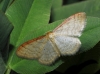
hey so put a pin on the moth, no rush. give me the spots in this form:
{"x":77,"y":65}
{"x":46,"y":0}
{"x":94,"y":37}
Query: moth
{"x":62,"y":41}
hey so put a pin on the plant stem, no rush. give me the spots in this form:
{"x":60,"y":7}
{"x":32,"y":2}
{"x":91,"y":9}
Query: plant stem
{"x":8,"y":71}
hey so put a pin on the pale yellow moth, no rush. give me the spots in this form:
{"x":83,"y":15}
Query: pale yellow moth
{"x":63,"y":40}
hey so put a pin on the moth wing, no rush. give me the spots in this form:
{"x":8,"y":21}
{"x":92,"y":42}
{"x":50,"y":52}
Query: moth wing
{"x":67,"y":45}
{"x":49,"y":54}
{"x":72,"y":26}
{"x":32,"y":49}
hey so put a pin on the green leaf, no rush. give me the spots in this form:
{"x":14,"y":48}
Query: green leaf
{"x":17,"y":14}
{"x":30,"y":17}
{"x":90,"y":36}
{"x":57,"y":4}
{"x":1,"y":4}
{"x":40,"y":17}
{"x":4,"y":4}
{"x":91,"y":8}
{"x":2,"y":65}
{"x":5,"y":30}
{"x":32,"y":20}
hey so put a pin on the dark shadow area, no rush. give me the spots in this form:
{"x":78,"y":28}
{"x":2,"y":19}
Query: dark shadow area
{"x":98,"y":72}
{"x":75,"y":69}
{"x":70,"y":1}
{"x":13,"y":72}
